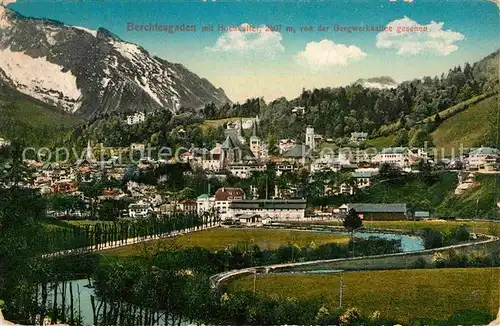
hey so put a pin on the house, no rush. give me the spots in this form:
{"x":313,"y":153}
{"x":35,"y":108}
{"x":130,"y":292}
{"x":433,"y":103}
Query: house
{"x":397,"y":156}
{"x":188,"y":206}
{"x":421,"y":214}
{"x":212,"y":160}
{"x":223,"y":197}
{"x":168,"y":208}
{"x":247,"y":124}
{"x":285,"y":145}
{"x":244,"y":171}
{"x":64,"y":187}
{"x":139,"y":209}
{"x":136,"y":118}
{"x":299,"y":110}
{"x":299,"y":153}
{"x":276,"y":209}
{"x":370,"y":212}
{"x":250,"y":219}
{"x":362,"y":178}
{"x":483,"y":156}
{"x":358,"y":137}
{"x":284,"y":167}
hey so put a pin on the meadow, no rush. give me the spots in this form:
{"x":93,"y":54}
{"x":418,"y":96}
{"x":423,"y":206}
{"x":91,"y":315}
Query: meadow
{"x":402,"y":295}
{"x":220,"y":238}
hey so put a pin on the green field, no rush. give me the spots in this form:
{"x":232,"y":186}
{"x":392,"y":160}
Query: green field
{"x":221,"y":238}
{"x":467,"y":128}
{"x":400,"y":294}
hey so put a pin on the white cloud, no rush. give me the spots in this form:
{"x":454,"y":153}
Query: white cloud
{"x":410,"y":38}
{"x":246,"y":39}
{"x":325,"y":54}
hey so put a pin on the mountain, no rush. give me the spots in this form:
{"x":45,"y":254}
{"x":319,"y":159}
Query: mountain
{"x":377,"y":82}
{"x":90,"y":73}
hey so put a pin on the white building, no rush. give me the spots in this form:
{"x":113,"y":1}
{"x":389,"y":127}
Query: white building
{"x":275,"y":209}
{"x":140,"y":209}
{"x":136,"y":118}
{"x":299,"y":110}
{"x":204,"y":203}
{"x":223,"y":197}
{"x":244,"y":171}
{"x":358,"y":137}
{"x":363,"y":178}
{"x":483,"y":156}
{"x":397,"y":156}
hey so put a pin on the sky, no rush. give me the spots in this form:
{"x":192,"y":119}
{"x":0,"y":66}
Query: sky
{"x":409,"y":39}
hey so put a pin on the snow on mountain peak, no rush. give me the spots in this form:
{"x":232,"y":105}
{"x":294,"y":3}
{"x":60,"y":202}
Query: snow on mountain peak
{"x":90,"y":76}
{"x":90,"y":31}
{"x":41,"y":79}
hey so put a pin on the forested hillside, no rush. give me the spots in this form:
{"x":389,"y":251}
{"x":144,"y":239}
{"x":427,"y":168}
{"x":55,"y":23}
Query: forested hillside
{"x":335,"y":112}
{"x":38,"y":123}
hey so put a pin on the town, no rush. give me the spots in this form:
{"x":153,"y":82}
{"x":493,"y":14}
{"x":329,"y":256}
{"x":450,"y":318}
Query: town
{"x":93,"y":189}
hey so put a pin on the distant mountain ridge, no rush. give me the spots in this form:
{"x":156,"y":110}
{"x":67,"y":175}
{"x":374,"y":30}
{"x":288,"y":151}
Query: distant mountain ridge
{"x":90,"y":73}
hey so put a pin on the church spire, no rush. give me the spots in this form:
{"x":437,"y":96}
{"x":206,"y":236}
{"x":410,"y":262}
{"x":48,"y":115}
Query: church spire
{"x":89,"y":155}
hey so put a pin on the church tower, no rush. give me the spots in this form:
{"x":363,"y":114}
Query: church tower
{"x":310,"y":137}
{"x":255,"y":142}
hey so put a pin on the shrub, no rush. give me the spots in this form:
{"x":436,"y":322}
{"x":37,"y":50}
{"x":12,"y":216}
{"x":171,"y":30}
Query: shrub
{"x":470,"y":317}
{"x":460,"y":234}
{"x":432,"y":238}
{"x":351,"y":316}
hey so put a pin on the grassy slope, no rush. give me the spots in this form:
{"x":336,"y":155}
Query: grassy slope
{"x":438,"y":195}
{"x":220,"y":238}
{"x":400,"y":294}
{"x":450,"y":134}
{"x":38,"y":123}
{"x":466,"y":204}
{"x":416,"y":191}
{"x":467,"y":128}
{"x":218,"y":122}
{"x":381,"y":142}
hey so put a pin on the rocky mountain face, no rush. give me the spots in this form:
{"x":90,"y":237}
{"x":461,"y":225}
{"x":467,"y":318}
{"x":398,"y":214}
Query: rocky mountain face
{"x":91,"y":73}
{"x":377,"y":82}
